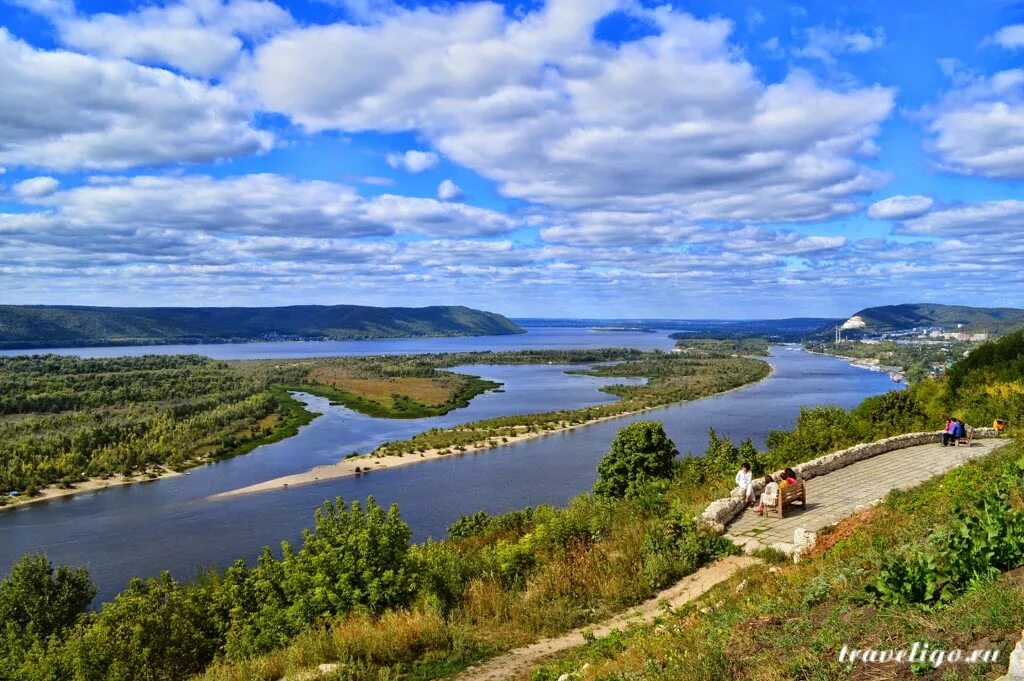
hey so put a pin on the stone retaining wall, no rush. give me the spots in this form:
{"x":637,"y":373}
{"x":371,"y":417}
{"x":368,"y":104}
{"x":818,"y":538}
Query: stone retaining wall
{"x":720,"y":512}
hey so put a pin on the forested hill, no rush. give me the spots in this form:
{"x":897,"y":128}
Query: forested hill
{"x":892,"y":317}
{"x":28,"y":326}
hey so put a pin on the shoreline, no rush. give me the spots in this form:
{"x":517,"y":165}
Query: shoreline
{"x":366,"y":464}
{"x":86,"y":486}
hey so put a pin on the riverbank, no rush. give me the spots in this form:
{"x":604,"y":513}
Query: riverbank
{"x":370,"y":463}
{"x":89,"y":485}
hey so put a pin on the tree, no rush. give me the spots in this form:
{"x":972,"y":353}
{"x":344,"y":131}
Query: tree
{"x":155,"y":630}
{"x":40,"y":601}
{"x":640,"y":452}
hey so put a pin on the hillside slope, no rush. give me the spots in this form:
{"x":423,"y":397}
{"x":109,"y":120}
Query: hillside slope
{"x":27,"y":326}
{"x":906,"y":316}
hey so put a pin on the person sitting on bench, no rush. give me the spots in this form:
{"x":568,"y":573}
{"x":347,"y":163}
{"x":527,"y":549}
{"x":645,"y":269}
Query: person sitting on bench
{"x":948,"y":435}
{"x":770,"y":495}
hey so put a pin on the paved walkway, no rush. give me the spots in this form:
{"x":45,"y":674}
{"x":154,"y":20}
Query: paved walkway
{"x":840,"y":493}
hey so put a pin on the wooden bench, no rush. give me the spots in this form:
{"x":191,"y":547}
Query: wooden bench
{"x":787,"y":495}
{"x":965,"y":441}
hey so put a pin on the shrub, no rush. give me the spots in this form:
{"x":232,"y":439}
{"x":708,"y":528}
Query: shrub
{"x":978,"y":547}
{"x":677,"y":546}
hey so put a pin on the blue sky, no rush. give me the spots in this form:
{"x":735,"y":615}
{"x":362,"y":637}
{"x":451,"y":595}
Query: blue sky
{"x":593,"y":158}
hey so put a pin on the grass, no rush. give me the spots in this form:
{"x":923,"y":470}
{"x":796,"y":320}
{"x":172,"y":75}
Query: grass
{"x":398,"y":397}
{"x":429,"y":390}
{"x":791,"y":622}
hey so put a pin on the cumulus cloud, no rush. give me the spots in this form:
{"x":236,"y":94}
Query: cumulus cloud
{"x":35,"y":187}
{"x":449,"y":191}
{"x":202,"y":37}
{"x":1009,"y":37}
{"x":978,"y":127}
{"x":413,"y":160}
{"x":557,"y":118}
{"x":824,"y":44}
{"x":66,"y":110}
{"x":260,"y":204}
{"x":985,"y":219}
{"x":900,"y":207}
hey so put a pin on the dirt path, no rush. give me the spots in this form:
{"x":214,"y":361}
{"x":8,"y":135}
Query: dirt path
{"x":520,"y":661}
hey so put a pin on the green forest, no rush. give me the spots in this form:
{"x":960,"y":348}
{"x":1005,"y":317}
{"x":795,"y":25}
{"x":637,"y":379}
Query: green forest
{"x":23,"y":326}
{"x":65,"y":419}
{"x":911,"y":315}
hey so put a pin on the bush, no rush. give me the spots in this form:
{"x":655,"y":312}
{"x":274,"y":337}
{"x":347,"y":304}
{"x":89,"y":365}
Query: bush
{"x":154,"y":631}
{"x":677,"y":546}
{"x":978,"y":547}
{"x":640,"y":452}
{"x":469,"y":525}
{"x":444,"y":573}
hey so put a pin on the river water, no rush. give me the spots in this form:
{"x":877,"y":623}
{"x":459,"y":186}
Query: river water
{"x":171,"y":524}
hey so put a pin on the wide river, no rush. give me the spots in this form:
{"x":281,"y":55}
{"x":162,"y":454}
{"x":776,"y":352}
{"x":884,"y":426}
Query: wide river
{"x":171,"y":524}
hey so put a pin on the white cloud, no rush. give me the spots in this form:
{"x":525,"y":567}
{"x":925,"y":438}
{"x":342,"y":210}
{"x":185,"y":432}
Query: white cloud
{"x":556,"y":118}
{"x":437,"y":218}
{"x":449,"y":191}
{"x":260,"y":204}
{"x":64,"y":111}
{"x":413,"y":160}
{"x":978,"y":128}
{"x":996,"y":221}
{"x":1009,"y":37}
{"x":900,"y":207}
{"x":35,"y":187}
{"x":202,"y":37}
{"x":824,"y":44}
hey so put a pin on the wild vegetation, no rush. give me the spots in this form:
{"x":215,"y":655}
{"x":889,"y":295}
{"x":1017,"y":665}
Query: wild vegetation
{"x":64,"y":419}
{"x":722,"y":346}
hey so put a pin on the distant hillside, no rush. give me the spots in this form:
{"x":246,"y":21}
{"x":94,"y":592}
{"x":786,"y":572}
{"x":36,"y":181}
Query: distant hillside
{"x":37,"y":326}
{"x":895,"y":317}
{"x":791,"y":330}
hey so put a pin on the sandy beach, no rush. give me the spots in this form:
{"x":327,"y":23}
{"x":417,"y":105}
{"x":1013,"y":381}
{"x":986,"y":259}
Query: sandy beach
{"x":369,"y":463}
{"x":90,"y":485}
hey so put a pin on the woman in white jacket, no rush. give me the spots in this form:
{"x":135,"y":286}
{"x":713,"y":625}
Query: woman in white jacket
{"x":745,"y":482}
